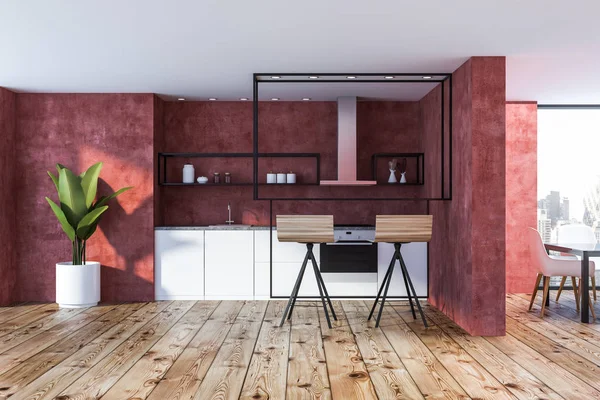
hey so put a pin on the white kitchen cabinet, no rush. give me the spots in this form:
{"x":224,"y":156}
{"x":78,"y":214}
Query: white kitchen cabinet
{"x":229,"y":264}
{"x":179,"y":264}
{"x":415,"y":258}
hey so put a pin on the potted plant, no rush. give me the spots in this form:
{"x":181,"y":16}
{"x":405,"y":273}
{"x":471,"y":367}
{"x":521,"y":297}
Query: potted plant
{"x":78,"y":281}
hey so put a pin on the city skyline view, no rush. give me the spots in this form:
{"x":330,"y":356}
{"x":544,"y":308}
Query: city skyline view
{"x":570,"y":167}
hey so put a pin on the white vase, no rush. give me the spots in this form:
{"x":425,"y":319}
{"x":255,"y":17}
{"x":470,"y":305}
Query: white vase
{"x":188,"y":173}
{"x":77,"y":286}
{"x":402,"y":177}
{"x":392,"y":178}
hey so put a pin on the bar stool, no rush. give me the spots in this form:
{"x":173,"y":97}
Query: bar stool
{"x":308,"y":229}
{"x":399,"y":230}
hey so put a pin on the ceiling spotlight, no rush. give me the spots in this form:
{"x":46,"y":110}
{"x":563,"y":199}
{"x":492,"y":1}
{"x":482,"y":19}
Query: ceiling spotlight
{"x":389,"y":77}
{"x":275,"y":77}
{"x":306,"y":98}
{"x":350,"y":77}
{"x":212,"y":98}
{"x":275,"y":98}
{"x":313,"y":77}
{"x":181,"y":99}
{"x":427,"y":77}
{"x":243,"y":98}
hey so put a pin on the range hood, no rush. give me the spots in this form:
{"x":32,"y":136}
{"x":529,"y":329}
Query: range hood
{"x":347,"y":159}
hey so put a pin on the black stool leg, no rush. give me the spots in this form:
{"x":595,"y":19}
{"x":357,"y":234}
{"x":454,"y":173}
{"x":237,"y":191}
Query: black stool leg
{"x":322,"y":284}
{"x":405,"y":272}
{"x":322,"y":297}
{"x":385,"y":292}
{"x":290,"y":305}
{"x":385,"y":278}
{"x":412,"y":307}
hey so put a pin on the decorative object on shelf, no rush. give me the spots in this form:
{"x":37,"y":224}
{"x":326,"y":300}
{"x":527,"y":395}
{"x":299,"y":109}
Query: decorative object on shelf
{"x":227,"y":177}
{"x":271,"y":177}
{"x":216,"y":178}
{"x":291,"y":177}
{"x":403,"y":171}
{"x":202,"y":180}
{"x":78,"y":281}
{"x":188,"y":173}
{"x":392,"y":164}
{"x":281,"y":177}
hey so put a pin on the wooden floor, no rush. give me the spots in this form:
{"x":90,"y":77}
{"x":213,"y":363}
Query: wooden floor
{"x":234,"y":349}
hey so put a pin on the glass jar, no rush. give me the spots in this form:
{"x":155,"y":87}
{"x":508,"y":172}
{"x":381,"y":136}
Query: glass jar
{"x":227,"y":177}
{"x":216,"y":178}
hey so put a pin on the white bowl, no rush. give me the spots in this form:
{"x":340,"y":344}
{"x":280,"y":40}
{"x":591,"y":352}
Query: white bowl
{"x":202,"y":179}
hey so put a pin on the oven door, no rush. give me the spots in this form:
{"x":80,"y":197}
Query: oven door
{"x":349,"y":257}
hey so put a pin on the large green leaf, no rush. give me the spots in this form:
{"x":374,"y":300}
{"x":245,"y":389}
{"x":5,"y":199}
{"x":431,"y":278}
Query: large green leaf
{"x":104,"y":199}
{"x":89,"y":183}
{"x":87,"y":225}
{"x":62,"y":219}
{"x":72,"y":198}
{"x":54,"y":179}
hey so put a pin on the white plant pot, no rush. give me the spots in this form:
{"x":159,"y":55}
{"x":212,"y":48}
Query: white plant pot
{"x":77,"y":286}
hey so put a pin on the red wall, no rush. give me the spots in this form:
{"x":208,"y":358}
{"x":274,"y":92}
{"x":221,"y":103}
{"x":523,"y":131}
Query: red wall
{"x":284,"y":127}
{"x":521,"y":193}
{"x":8,"y":224}
{"x":467,"y":251}
{"x":79,"y":130}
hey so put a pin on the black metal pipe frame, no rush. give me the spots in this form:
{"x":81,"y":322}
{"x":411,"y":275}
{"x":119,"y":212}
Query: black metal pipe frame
{"x":325,"y":299}
{"x":410,"y":289}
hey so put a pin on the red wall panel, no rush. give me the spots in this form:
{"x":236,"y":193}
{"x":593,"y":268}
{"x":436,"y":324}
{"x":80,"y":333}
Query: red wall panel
{"x":521,"y":193}
{"x":79,"y":130}
{"x":8,"y":268}
{"x":467,"y":251}
{"x":284,"y":127}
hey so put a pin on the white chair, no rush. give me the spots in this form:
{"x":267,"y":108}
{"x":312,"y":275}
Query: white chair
{"x":550,"y":266}
{"x":580,"y":234}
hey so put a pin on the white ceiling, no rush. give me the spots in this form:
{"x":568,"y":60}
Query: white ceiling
{"x":209,"y":48}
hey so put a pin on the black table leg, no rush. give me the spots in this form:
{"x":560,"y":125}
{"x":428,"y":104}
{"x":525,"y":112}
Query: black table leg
{"x":385,"y":292}
{"x":584,"y":287}
{"x":547,"y":297}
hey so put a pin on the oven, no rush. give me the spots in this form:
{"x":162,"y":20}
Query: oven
{"x":352,"y":252}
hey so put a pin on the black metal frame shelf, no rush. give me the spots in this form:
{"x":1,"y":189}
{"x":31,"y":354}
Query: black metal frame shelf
{"x":163,"y":157}
{"x":420,"y":167}
{"x":341,"y":78}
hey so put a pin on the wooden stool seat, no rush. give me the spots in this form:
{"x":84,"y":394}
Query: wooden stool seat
{"x":400,"y":229}
{"x":308,"y":229}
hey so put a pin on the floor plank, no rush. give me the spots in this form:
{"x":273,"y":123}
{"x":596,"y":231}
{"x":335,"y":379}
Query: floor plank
{"x":104,"y":374}
{"x":27,"y":319}
{"x":53,"y":381}
{"x":474,"y":379}
{"x":553,"y":375}
{"x":225,"y":377}
{"x":348,"y":374}
{"x":13,"y":312}
{"x":143,"y":377}
{"x":184,"y":378}
{"x":267,"y":374}
{"x":307,"y":370}
{"x":37,"y":327}
{"x":520,"y":382}
{"x":432,"y":378}
{"x":235,"y":349}
{"x":387,"y":372}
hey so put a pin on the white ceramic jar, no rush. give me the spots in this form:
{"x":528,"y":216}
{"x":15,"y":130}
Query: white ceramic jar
{"x":271,"y":178}
{"x":188,"y":173}
{"x":281,"y":178}
{"x":291,"y":177}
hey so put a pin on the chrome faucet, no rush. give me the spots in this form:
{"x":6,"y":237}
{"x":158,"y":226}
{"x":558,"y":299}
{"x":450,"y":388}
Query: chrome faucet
{"x":229,"y":221}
